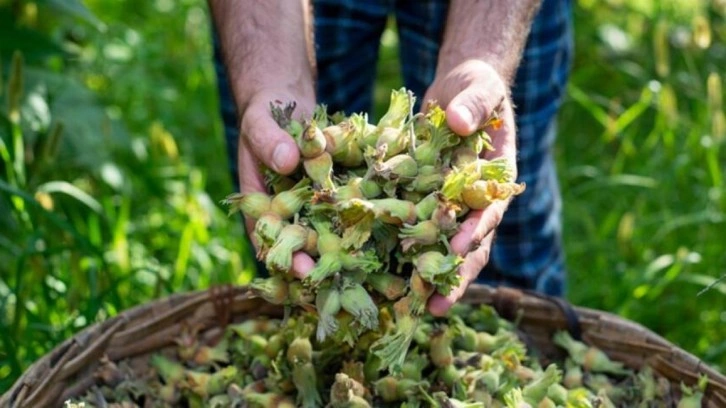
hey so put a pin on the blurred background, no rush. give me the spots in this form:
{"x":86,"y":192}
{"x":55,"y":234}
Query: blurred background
{"x":112,"y":166}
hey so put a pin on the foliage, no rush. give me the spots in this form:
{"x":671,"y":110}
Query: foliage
{"x":641,"y":162}
{"x":103,"y":208}
{"x":111,"y":176}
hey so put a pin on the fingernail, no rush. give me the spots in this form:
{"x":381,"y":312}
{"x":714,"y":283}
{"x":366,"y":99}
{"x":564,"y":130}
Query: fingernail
{"x":466,"y":116}
{"x":281,"y":156}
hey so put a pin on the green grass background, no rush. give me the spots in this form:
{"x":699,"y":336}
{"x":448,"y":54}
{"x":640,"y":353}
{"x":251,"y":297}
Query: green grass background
{"x":112,"y":166}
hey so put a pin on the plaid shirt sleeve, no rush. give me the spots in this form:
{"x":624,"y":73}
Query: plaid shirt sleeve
{"x":527,"y":252}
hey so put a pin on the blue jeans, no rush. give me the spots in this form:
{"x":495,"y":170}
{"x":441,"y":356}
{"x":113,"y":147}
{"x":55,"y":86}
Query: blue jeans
{"x":527,"y":251}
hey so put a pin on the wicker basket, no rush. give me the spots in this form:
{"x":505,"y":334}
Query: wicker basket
{"x":68,"y":370}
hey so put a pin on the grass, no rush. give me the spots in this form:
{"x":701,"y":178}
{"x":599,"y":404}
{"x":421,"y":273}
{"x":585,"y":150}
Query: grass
{"x":111,"y":176}
{"x":641,"y":162}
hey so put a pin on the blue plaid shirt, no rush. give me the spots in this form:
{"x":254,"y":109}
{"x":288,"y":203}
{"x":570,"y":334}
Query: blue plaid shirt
{"x":527,"y":252}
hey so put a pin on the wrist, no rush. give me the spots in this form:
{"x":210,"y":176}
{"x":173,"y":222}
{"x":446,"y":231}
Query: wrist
{"x":283,"y":87}
{"x":266,"y":48}
{"x":494,"y":33}
{"x":489,"y":61}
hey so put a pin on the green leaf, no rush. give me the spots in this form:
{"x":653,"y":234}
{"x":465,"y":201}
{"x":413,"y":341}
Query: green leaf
{"x":630,"y":115}
{"x":74,"y":8}
{"x":658,"y":264}
{"x":35,"y":45}
{"x":35,"y":110}
{"x":15,"y":86}
{"x":89,"y":136}
{"x":52,"y":217}
{"x":69,"y":189}
{"x":581,"y":97}
{"x":708,"y":282}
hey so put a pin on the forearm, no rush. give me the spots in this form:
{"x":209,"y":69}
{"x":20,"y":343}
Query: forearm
{"x":265,"y":44}
{"x":494,"y":31}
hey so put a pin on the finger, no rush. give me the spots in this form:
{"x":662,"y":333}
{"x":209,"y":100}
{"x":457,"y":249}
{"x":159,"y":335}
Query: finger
{"x":248,"y":169}
{"x":250,"y":180}
{"x":476,"y":226}
{"x":468,"y":110}
{"x":273,"y":146}
{"x":302,"y":264}
{"x":463,"y":241}
{"x":474,"y":262}
{"x":490,"y":219}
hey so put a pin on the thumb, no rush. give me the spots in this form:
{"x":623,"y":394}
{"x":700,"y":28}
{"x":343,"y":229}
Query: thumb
{"x":471,"y":107}
{"x":273,"y":146}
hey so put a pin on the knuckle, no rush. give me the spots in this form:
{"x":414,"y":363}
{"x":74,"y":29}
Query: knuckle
{"x":484,"y":229}
{"x":483,"y":253}
{"x":253,"y":123}
{"x":249,"y":119}
{"x":478,"y":105}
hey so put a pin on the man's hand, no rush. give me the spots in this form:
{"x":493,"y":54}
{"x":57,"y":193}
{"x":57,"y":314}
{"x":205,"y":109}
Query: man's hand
{"x":471,"y":92}
{"x":479,"y":55}
{"x":269,"y":57}
{"x":262,"y":141}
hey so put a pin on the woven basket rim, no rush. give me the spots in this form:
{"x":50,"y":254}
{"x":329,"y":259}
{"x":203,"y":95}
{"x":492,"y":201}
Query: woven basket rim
{"x":65,"y":370}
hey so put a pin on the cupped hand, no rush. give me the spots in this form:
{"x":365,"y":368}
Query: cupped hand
{"x":263,"y":142}
{"x":470,"y":93}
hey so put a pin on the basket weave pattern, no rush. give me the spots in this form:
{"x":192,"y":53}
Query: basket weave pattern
{"x":68,"y":370}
